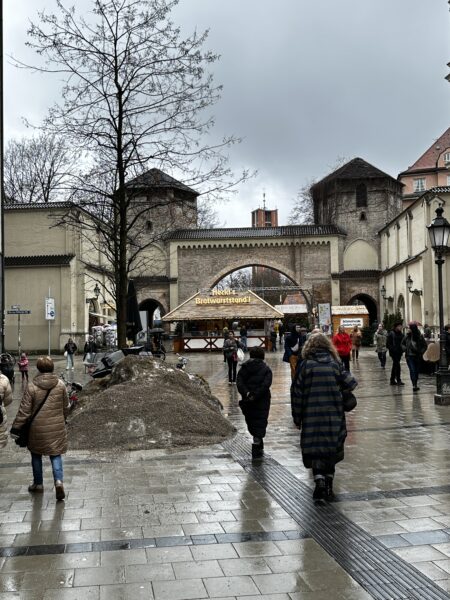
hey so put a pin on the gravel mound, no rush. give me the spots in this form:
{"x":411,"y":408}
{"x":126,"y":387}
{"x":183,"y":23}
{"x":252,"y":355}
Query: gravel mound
{"x":146,"y":404}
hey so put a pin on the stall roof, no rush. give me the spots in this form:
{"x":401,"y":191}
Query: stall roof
{"x":209,"y":307}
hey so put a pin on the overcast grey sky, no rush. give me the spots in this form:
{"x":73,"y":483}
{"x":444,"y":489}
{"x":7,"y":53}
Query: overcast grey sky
{"x":305,"y":82}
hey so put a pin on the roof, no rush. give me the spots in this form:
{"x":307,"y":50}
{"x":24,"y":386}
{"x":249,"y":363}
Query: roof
{"x":155,"y":178}
{"x":357,"y":168}
{"x":44,"y":260}
{"x":210,"y":307}
{"x":255,"y":232}
{"x":37,"y":205}
{"x":430,"y":157}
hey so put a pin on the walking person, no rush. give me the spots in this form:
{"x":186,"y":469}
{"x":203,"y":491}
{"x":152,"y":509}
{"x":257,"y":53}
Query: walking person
{"x":243,"y":333}
{"x":293,"y":343}
{"x":318,"y":411}
{"x":48,"y":436}
{"x":69,"y":350}
{"x":414,"y":347}
{"x":380,"y":341}
{"x":253,"y":383}
{"x":273,"y":339}
{"x":394,"y":345}
{"x":356,"y":337}
{"x":23,"y":367}
{"x":343,"y":344}
{"x":90,"y":350}
{"x":230,"y":348}
{"x":281,"y":330}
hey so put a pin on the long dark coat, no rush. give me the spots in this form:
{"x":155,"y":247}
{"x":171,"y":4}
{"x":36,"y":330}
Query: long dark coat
{"x":317,"y":407}
{"x":253,"y":382}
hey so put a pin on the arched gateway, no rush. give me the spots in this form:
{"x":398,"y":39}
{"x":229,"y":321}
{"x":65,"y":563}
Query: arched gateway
{"x":307,"y":254}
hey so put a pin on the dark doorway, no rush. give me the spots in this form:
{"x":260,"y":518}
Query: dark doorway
{"x":149,"y":306}
{"x":369,"y":303}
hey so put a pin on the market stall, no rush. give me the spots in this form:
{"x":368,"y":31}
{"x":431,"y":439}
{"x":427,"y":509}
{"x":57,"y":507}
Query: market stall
{"x":349,"y":316}
{"x":202,"y":318}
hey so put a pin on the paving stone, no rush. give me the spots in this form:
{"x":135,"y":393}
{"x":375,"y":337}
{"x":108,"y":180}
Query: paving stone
{"x":220,"y":587}
{"x":247,"y":549}
{"x":128,"y":591}
{"x":149,"y":572}
{"x":80,"y":593}
{"x":213,"y":552}
{"x":244,"y":566}
{"x":197,"y":570}
{"x":186,"y":589}
{"x":99,"y":576}
{"x":280,"y":583}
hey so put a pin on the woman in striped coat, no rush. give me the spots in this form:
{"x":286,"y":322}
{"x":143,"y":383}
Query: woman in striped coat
{"x":317,"y":410}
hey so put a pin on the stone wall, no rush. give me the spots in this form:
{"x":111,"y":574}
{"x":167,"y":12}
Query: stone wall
{"x":203,"y":267}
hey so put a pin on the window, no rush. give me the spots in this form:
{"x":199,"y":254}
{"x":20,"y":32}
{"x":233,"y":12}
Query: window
{"x":448,"y":179}
{"x":361,"y":195}
{"x":362,"y":216}
{"x":419,"y":184}
{"x":447,"y":157}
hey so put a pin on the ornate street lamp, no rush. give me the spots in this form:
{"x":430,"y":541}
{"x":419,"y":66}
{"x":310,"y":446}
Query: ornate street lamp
{"x":409,"y":284}
{"x":383,"y":292}
{"x":97,"y":291}
{"x":439,"y":232}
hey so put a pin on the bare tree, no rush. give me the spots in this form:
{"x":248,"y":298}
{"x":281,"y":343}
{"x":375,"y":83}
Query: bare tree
{"x":37,"y":169}
{"x":136,"y":94}
{"x":207,"y":216}
{"x":302,"y":212}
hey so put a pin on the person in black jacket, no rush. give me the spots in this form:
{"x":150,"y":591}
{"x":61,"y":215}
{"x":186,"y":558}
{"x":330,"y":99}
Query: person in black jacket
{"x":253,"y":382}
{"x":394,"y":345}
{"x":414,"y":347}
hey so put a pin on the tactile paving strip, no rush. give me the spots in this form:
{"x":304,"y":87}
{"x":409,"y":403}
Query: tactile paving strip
{"x":378,"y":570}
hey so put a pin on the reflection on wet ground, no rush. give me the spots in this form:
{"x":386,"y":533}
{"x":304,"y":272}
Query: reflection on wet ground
{"x":210,"y":524}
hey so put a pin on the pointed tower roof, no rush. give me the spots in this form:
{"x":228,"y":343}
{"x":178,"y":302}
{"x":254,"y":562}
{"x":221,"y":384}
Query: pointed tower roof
{"x":155,"y":178}
{"x":429,"y":159}
{"x":357,"y":168}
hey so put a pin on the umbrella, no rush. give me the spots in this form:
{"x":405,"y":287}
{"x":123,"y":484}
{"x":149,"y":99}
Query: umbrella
{"x":134,"y":324}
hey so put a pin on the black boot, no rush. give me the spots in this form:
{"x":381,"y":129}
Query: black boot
{"x":257,"y":450}
{"x":320,"y":490}
{"x":329,"y":488}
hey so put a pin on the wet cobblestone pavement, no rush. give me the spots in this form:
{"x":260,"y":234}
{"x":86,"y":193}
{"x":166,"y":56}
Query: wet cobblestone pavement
{"x":209,"y":523}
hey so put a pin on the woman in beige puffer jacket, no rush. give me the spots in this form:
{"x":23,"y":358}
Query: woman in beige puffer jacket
{"x":5,"y":399}
{"x":48,"y":434}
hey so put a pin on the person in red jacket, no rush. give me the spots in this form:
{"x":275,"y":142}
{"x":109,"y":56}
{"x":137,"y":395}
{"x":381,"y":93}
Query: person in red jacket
{"x":343,"y":344}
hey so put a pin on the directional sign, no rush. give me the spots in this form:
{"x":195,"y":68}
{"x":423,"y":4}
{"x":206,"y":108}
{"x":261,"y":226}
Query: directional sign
{"x":19,"y":312}
{"x":50,"y":309}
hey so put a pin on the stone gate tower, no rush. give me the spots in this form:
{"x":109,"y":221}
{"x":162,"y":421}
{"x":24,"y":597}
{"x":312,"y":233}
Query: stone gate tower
{"x":360,"y":199}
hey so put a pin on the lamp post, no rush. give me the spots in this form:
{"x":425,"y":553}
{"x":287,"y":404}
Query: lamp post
{"x":439,"y":232}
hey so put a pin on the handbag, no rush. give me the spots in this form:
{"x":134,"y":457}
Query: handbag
{"x":23,"y":433}
{"x":65,"y":353}
{"x":240,"y":355}
{"x":349,"y":401}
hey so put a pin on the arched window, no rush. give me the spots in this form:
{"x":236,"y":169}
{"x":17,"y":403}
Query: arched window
{"x":362,"y":216}
{"x":361,"y":195}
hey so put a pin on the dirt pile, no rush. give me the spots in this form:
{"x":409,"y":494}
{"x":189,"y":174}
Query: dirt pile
{"x":146,"y":404}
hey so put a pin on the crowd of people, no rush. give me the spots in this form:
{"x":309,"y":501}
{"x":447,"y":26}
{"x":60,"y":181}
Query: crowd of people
{"x":321,"y":382}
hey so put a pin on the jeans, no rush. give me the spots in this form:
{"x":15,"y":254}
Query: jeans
{"x":396,"y":369}
{"x":232,"y":364}
{"x":243,"y":341}
{"x":69,"y":359}
{"x":36,"y":463}
{"x":345,"y":361}
{"x":413,"y":366}
{"x":382,"y":357}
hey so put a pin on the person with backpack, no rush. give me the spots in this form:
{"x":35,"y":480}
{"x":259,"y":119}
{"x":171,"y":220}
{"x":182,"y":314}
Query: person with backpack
{"x":414,"y":347}
{"x":394,"y":344}
{"x":230,"y":348}
{"x":253,"y":383}
{"x":380,"y":341}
